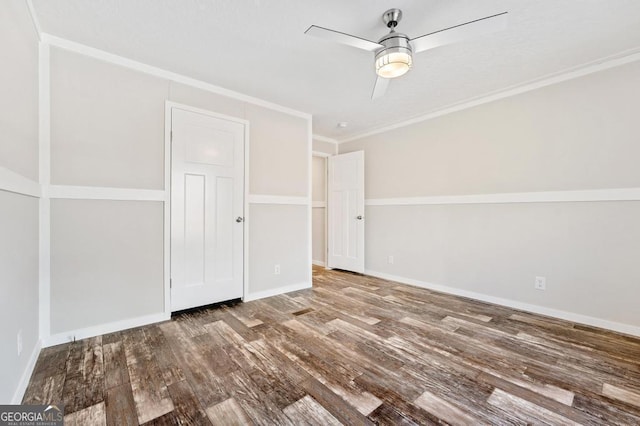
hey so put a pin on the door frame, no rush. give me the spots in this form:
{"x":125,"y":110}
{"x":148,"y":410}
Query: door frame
{"x":325,"y":156}
{"x":167,"y":201}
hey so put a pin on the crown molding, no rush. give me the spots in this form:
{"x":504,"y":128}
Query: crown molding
{"x":11,"y":181}
{"x":324,"y":139}
{"x":161,"y":73}
{"x":619,"y":59}
{"x":34,"y":19}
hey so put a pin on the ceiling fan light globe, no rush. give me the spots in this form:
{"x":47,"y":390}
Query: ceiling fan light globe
{"x":392,"y":64}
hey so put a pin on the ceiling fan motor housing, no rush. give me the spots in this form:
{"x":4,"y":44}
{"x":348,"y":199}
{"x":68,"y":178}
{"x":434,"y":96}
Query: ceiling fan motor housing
{"x":396,"y":57}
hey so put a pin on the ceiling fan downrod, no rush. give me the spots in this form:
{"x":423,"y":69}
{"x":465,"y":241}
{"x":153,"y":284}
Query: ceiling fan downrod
{"x":391,"y":18}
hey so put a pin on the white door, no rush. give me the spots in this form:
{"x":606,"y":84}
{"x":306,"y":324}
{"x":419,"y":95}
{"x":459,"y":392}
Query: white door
{"x":207,"y":202}
{"x":345,"y":208}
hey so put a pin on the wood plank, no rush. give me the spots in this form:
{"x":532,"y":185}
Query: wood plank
{"x":120,"y":408}
{"x":207,"y":386}
{"x":541,"y":400}
{"x":215,"y":357}
{"x":223,"y":334}
{"x":171,"y":371}
{"x":84,"y":380}
{"x":606,"y":411}
{"x":387,"y":414}
{"x":187,"y":407}
{"x":149,"y":390}
{"x":336,"y":380}
{"x":45,"y":390}
{"x":271,"y":371}
{"x":228,"y":412}
{"x":52,"y":361}
{"x":337,"y":406}
{"x":256,"y":405}
{"x":47,"y":381}
{"x":393,"y":391}
{"x":445,"y":410}
{"x":621,"y":394}
{"x":115,"y":365}
{"x":246,"y":313}
{"x":307,"y":411}
{"x":526,"y":411}
{"x":168,"y":419}
{"x":239,"y":327}
{"x":92,"y":415}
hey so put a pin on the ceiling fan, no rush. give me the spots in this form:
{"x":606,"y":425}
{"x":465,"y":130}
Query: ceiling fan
{"x":394,"y":51}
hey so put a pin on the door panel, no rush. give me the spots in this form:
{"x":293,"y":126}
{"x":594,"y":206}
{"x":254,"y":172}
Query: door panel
{"x":345,"y":218}
{"x":207,"y":194}
{"x":223,"y":232}
{"x":194,"y":232}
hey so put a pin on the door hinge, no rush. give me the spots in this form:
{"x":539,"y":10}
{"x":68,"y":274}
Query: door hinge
{"x":170,"y":135}
{"x":170,"y":283}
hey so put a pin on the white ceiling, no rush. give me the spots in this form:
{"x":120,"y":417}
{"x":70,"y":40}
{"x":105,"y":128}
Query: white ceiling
{"x":258,"y":47}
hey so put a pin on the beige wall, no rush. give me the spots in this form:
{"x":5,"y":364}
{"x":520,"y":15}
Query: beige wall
{"x":577,"y":135}
{"x":108,"y":130}
{"x":324,"y":147}
{"x":587,"y":251}
{"x":18,"y":213}
{"x":319,"y":194}
{"x":107,"y":124}
{"x":275,"y":232}
{"x":319,"y":179}
{"x":19,"y":88}
{"x":106,"y":262}
{"x":198,"y":98}
{"x":580,"y":134}
{"x":18,"y":287}
{"x":279,"y":153}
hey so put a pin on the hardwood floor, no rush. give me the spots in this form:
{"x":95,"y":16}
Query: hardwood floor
{"x":353,"y":350}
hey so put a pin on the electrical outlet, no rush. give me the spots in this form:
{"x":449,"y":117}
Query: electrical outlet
{"x":19,"y":342}
{"x":541,"y":283}
{"x":276,"y":269}
{"x":390,"y":260}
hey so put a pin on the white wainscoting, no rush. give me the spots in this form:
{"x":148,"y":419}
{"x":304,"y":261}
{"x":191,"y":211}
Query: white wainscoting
{"x":590,"y":195}
{"x":277,"y":199}
{"x":102,"y":193}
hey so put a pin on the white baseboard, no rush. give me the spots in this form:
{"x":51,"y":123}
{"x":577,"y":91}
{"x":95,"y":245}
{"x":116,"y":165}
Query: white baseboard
{"x":276,"y":291}
{"x":536,"y":309}
{"x":318,"y":263}
{"x":26,"y":374}
{"x":98,"y":330}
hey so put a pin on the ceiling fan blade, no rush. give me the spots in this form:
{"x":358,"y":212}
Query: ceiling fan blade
{"x":343,"y":38}
{"x":460,"y":32}
{"x":380,"y":87}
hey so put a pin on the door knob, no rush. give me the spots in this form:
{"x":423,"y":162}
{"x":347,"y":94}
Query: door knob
{"x":359,"y":217}
{"x":239,"y":219}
